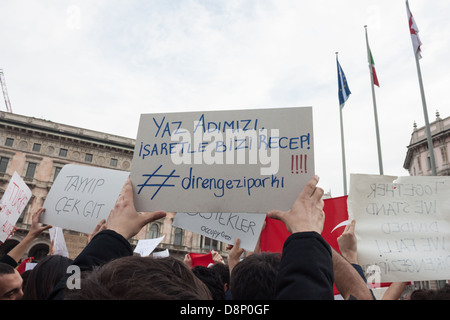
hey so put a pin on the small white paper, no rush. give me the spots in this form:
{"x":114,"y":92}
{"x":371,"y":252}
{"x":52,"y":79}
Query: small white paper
{"x":161,"y":254}
{"x":59,"y":242}
{"x":30,"y":265}
{"x":145,"y":247}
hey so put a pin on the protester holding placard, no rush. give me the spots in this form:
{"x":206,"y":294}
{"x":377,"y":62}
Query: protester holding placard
{"x":13,"y":257}
{"x":123,"y":223}
{"x":296,"y":278}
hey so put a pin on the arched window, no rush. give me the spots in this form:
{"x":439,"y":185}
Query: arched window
{"x":154,"y":231}
{"x":178,"y":237}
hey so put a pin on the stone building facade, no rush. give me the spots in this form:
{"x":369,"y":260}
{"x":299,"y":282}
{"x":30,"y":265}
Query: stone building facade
{"x":38,"y":149}
{"x":418,"y":163}
{"x":417,"y":160}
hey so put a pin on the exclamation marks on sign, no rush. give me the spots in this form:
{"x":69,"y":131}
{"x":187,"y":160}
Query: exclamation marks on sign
{"x":298,"y":163}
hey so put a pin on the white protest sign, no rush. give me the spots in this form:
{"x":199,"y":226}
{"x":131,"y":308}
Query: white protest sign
{"x":59,"y":242}
{"x":30,"y":265}
{"x":402,"y":226}
{"x":223,"y":161}
{"x":81,"y":196}
{"x":14,"y":200}
{"x":145,"y":247}
{"x":161,"y":254}
{"x":224,"y":227}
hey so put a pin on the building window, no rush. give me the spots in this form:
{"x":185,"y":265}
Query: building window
{"x":57,"y":170}
{"x":63,"y":152}
{"x":444,"y":155}
{"x":31,"y":170}
{"x":3,"y":164}
{"x":178,"y":237}
{"x":36,"y":147}
{"x":429,"y":162}
{"x":88,"y":157}
{"x":154,"y":231}
{"x":113,"y":162}
{"x":419,"y":165}
{"x":210,"y":244}
{"x":9,"y":142}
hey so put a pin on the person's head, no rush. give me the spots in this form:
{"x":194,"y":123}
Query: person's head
{"x":44,"y":276}
{"x":212,"y":280}
{"x":254,"y":277}
{"x":10,"y":283}
{"x":429,"y":294}
{"x":224,"y":271}
{"x":140,"y":278}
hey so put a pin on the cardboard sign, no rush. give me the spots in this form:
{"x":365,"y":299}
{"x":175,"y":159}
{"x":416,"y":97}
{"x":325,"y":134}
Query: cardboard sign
{"x":223,"y":161}
{"x":81,"y":196}
{"x":224,"y":227}
{"x":14,"y":200}
{"x":402,"y":226}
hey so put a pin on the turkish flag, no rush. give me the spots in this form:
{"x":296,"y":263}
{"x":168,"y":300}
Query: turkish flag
{"x":199,"y":259}
{"x":336,"y":215}
{"x":275,"y":233}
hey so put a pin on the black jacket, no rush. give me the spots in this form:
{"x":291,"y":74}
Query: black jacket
{"x":306,"y":269}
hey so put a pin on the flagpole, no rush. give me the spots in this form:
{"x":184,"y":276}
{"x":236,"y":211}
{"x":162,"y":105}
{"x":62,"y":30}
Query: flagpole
{"x":425,"y":112}
{"x":344,"y":171}
{"x":380,"y":160}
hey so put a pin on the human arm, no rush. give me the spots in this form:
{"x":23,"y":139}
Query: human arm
{"x":123,"y":223}
{"x":348,"y":243}
{"x":35,"y":231}
{"x":188,"y":260}
{"x":99,"y":227}
{"x":124,"y":219}
{"x":306,"y":269}
{"x":217,"y":258}
{"x":394,"y":291}
{"x":235,"y":254}
{"x":348,"y":280}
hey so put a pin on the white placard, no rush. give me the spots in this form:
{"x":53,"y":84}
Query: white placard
{"x":145,"y":247}
{"x":14,"y":200}
{"x":402,"y":226}
{"x":59,"y":242}
{"x":223,"y":161}
{"x":161,"y":254}
{"x":223,"y":226}
{"x":81,"y":196}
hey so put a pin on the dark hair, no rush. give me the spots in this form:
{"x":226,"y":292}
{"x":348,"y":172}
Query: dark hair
{"x":6,"y":269}
{"x":223,"y":270}
{"x":140,"y":278}
{"x":427,"y":294}
{"x":212,"y":280}
{"x":254,"y":277}
{"x":44,"y":276}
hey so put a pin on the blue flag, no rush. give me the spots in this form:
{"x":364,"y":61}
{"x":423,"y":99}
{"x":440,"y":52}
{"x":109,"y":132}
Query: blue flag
{"x":344,"y":90}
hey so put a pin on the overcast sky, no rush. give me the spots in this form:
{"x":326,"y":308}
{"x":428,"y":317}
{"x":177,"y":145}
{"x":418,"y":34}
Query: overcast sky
{"x":100,"y":64}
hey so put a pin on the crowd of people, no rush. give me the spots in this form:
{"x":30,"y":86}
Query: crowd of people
{"x":307,"y":268}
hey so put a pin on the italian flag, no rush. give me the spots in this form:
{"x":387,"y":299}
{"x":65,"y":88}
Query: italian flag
{"x":374,"y":73}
